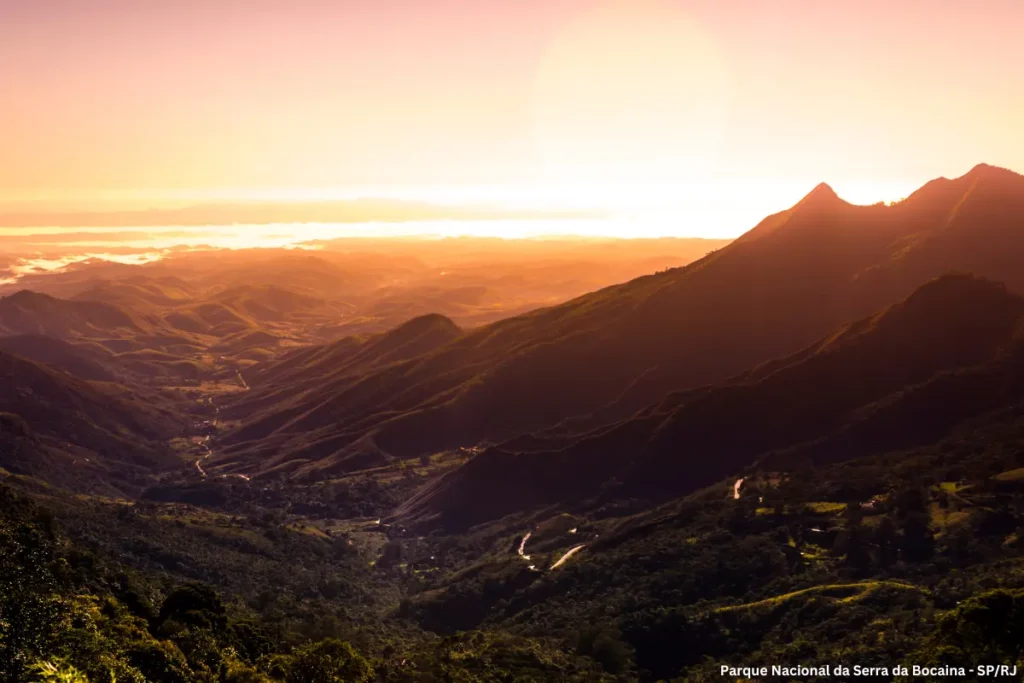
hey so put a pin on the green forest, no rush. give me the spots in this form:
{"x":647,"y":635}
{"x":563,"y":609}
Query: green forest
{"x":912,"y":558}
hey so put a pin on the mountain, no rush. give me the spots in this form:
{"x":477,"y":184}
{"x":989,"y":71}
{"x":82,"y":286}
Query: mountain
{"x":787,"y":282}
{"x":84,"y":361}
{"x":28,"y":312}
{"x":78,"y":434}
{"x":902,"y":378}
{"x":596,"y":532}
{"x":201,"y":310}
{"x":138,"y":291}
{"x":355,"y":355}
{"x":337,"y":367}
{"x":269,"y":303}
{"x":125,"y":334}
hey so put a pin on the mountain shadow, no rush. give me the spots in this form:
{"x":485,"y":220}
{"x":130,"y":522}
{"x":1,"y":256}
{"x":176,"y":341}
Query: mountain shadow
{"x":903,"y":377}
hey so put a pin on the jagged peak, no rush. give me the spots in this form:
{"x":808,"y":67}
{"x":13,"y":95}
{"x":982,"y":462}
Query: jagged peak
{"x":822,"y":190}
{"x":944,"y":194}
{"x":821,"y":196}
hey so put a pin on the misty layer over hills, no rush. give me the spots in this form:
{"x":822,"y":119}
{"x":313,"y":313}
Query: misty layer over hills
{"x":588,"y":461}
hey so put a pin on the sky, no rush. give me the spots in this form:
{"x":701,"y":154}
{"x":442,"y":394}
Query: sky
{"x":687,"y":117}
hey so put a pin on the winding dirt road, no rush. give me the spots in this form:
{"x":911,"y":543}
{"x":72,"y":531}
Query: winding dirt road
{"x":205,"y":441}
{"x":207,"y":454}
{"x":522,"y":546}
{"x":569,"y":553}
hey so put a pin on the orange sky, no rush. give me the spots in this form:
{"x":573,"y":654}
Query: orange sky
{"x":697,"y":116}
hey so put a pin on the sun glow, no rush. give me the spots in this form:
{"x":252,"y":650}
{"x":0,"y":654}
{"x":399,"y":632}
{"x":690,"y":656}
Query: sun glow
{"x":629,"y":103}
{"x":697,"y":209}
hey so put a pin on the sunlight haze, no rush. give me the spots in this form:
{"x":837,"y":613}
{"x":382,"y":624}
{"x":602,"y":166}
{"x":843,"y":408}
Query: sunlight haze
{"x":677,"y":117}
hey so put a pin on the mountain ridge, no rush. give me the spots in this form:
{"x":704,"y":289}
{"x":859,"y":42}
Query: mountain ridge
{"x":660,"y":452}
{"x":794,"y":277}
{"x":87,"y":435}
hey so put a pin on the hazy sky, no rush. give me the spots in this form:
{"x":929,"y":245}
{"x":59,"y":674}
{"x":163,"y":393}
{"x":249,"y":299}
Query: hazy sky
{"x":723,"y":109}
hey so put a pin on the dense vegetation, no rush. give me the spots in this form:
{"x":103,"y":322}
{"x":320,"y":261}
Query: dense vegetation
{"x":67,"y":612}
{"x":897,"y":558}
{"x":906,"y":557}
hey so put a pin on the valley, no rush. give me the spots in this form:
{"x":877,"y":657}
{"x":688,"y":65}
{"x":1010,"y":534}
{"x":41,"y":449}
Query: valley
{"x":805,"y":443}
{"x":574,"y":341}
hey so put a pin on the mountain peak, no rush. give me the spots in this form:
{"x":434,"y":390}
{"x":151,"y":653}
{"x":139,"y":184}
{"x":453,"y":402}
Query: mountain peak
{"x":986,"y":171}
{"x":823,"y":189}
{"x":821,"y":196}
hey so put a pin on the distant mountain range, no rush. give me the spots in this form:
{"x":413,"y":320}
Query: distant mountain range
{"x":175,"y":332}
{"x":794,"y":278}
{"x":29,"y":312}
{"x":356,"y":286}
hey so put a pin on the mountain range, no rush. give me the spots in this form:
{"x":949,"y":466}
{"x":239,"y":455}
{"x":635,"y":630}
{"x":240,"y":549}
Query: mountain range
{"x":794,"y":278}
{"x":479,"y":461}
{"x":902,"y":378}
